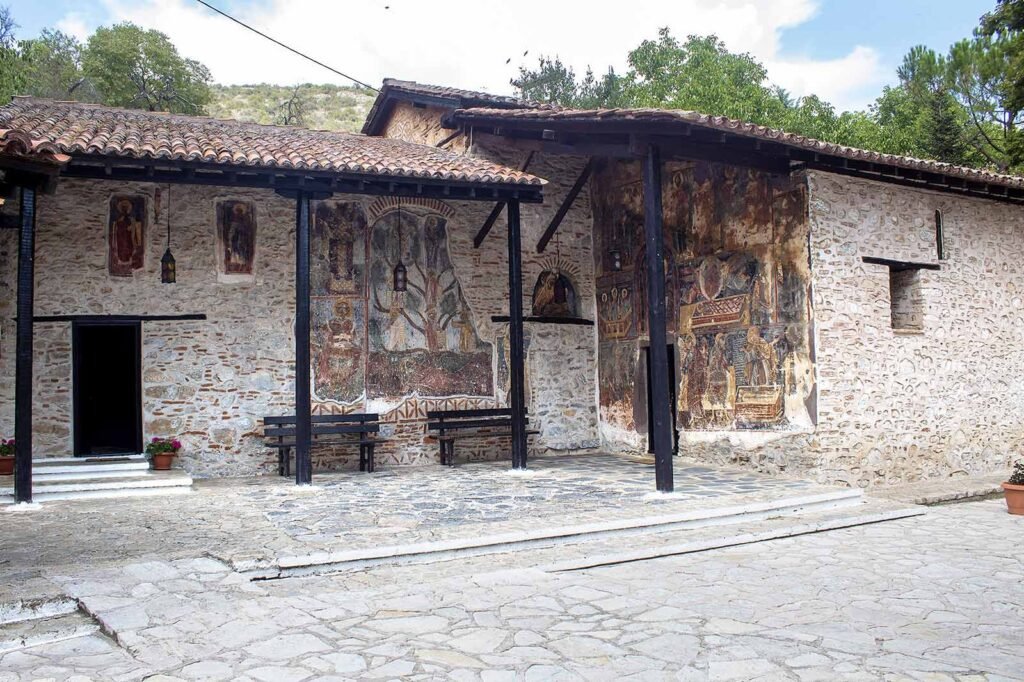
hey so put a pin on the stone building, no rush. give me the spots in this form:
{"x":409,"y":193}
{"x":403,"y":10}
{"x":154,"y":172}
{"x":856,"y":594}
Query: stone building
{"x":831,"y":312}
{"x":834,"y":313}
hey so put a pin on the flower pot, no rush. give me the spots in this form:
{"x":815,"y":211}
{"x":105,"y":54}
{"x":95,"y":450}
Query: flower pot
{"x":162,"y":461}
{"x":6,"y":465}
{"x":1014,"y":498}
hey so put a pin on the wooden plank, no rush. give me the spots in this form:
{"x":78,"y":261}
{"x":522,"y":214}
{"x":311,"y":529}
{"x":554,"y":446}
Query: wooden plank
{"x":567,"y":203}
{"x":23,"y":348}
{"x":469,"y":424}
{"x":660,"y":430}
{"x":368,"y":417}
{"x":517,"y":400}
{"x":303,"y":421}
{"x":118,"y":318}
{"x":320,"y":430}
{"x":455,"y":414}
{"x":496,"y":211}
{"x":548,"y":320}
{"x":900,"y":265}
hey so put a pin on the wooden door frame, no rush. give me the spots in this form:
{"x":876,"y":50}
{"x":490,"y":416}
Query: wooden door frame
{"x":76,"y":360}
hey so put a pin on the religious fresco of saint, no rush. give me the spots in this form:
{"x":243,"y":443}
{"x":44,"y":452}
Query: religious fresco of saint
{"x":422,"y":340}
{"x":236,"y":238}
{"x":554,"y":296}
{"x":338,"y":242}
{"x":126,"y":235}
{"x":337,"y":325}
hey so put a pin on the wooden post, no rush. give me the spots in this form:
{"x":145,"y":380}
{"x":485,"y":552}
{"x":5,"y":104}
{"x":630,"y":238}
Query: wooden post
{"x":660,"y":429}
{"x":303,"y":420}
{"x":515,"y":333}
{"x":23,"y":352}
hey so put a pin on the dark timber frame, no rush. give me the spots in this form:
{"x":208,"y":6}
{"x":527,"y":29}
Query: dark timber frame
{"x":23,"y":353}
{"x":515,"y":333}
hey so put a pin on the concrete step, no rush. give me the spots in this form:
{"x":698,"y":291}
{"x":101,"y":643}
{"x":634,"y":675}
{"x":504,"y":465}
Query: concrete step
{"x":55,"y":470}
{"x":87,"y":461}
{"x":429,"y":552}
{"x":87,"y":486}
{"x":24,"y":634}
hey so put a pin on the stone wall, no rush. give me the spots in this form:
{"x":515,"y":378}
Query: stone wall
{"x":210,"y":381}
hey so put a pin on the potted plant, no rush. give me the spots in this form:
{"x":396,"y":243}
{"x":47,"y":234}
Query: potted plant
{"x":6,"y":457}
{"x":1014,"y":490}
{"x":162,"y":451}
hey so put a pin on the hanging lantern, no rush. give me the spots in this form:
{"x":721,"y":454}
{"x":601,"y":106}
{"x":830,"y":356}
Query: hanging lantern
{"x":400,"y":273}
{"x":168,"y":270}
{"x":616,"y":258}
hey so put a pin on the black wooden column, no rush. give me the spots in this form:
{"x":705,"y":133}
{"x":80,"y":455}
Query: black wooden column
{"x":660,"y":428}
{"x":23,"y":352}
{"x":515,"y":333}
{"x":303,"y":421}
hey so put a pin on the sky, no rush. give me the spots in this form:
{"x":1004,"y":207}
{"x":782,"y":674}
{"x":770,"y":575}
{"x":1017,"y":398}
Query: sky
{"x":844,"y":51}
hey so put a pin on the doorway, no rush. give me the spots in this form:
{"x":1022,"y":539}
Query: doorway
{"x":671,"y":394}
{"x":107,"y":395}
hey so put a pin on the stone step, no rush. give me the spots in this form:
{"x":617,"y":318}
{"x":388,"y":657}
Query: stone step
{"x":87,"y":461}
{"x":429,"y":552}
{"x":24,"y":634}
{"x":175,"y":482}
{"x":43,"y":470}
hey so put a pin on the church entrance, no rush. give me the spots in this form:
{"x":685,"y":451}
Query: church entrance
{"x":107,"y":379}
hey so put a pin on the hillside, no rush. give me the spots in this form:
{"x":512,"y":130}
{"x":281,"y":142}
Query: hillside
{"x":324,"y":107}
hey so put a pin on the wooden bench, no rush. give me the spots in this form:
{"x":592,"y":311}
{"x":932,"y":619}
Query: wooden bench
{"x":327,"y":429}
{"x":448,"y":426}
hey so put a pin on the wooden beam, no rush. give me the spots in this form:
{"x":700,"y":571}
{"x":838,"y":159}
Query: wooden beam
{"x":23,"y":349}
{"x":119,"y":318}
{"x":496,"y":211}
{"x":303,"y":408}
{"x":567,"y":203}
{"x":660,"y":428}
{"x":515,"y":340}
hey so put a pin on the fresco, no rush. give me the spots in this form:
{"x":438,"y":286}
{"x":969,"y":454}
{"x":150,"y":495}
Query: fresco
{"x":554,"y":296}
{"x":126,"y":235}
{"x":736,"y":293}
{"x":422,"y":340}
{"x":336,"y":325}
{"x":338,"y":240}
{"x":236,"y":237}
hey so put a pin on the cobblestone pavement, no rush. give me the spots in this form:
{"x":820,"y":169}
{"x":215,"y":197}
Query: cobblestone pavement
{"x":936,"y":597}
{"x":266,"y":517}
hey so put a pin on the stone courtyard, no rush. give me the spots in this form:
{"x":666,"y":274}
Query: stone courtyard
{"x":934,"y":597}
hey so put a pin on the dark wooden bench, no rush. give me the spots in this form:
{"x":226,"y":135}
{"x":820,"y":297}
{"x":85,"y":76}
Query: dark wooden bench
{"x":448,"y":426}
{"x":328,"y":429}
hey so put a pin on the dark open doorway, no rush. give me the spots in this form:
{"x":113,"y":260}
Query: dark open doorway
{"x":107,"y":377}
{"x":672,"y":396}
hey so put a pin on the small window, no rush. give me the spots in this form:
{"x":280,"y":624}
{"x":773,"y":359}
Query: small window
{"x":906,"y":300}
{"x":940,"y":243}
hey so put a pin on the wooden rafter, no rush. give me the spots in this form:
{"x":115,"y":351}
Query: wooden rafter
{"x":567,"y":203}
{"x":496,"y":211}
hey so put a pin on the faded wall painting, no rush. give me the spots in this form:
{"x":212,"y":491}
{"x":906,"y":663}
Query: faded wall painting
{"x":126,"y":235}
{"x":421,"y":340}
{"x":236,"y":237}
{"x":338,"y":306}
{"x":736,"y":291}
{"x":554,"y":296}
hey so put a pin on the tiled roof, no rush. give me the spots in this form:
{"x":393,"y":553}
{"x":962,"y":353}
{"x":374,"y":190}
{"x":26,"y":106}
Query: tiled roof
{"x":727,"y":125}
{"x":458,"y":98}
{"x":75,"y":128}
{"x":19,"y":144}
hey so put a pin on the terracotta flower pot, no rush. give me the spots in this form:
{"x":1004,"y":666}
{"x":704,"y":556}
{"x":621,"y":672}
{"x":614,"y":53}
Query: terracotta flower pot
{"x":162,"y":460}
{"x":6,"y":465}
{"x":1014,"y":498}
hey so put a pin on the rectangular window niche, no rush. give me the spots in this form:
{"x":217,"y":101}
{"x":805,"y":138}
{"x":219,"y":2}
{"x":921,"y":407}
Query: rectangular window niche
{"x":906,"y":299}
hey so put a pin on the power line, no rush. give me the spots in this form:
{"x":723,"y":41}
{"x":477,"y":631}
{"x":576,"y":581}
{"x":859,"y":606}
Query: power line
{"x":290,"y":49}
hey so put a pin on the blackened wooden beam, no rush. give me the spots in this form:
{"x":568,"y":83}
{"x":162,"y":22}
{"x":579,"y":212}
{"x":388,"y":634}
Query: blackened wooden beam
{"x":567,"y":203}
{"x":900,"y":265}
{"x":515,"y":335}
{"x":119,"y":318}
{"x":303,"y":408}
{"x":23,"y":349}
{"x":660,"y":429}
{"x":485,"y":229}
{"x":578,"y":321}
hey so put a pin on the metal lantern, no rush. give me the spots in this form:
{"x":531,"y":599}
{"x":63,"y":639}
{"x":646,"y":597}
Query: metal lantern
{"x":168,"y":270}
{"x":400,"y":274}
{"x":616,"y":257}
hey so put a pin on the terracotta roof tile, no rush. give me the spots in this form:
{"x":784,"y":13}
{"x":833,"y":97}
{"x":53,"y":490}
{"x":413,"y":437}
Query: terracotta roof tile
{"x":75,"y":128}
{"x":728,"y":125}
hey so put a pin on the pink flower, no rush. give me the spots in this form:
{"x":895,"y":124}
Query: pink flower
{"x":176,"y":444}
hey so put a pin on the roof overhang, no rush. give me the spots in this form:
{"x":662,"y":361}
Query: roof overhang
{"x":614,"y":137}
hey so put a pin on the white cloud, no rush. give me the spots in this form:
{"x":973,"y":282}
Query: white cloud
{"x":74,"y":24}
{"x":466,"y":43}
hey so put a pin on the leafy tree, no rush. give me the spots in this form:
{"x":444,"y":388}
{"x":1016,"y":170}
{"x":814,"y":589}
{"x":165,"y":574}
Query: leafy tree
{"x":132,"y":67}
{"x":12,"y":72}
{"x":554,"y":83}
{"x":53,"y":67}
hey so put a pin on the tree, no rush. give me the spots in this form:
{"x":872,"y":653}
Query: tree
{"x":135,"y":68}
{"x":292,"y":111}
{"x":53,"y":67}
{"x":12,"y":72}
{"x":554,"y":83}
